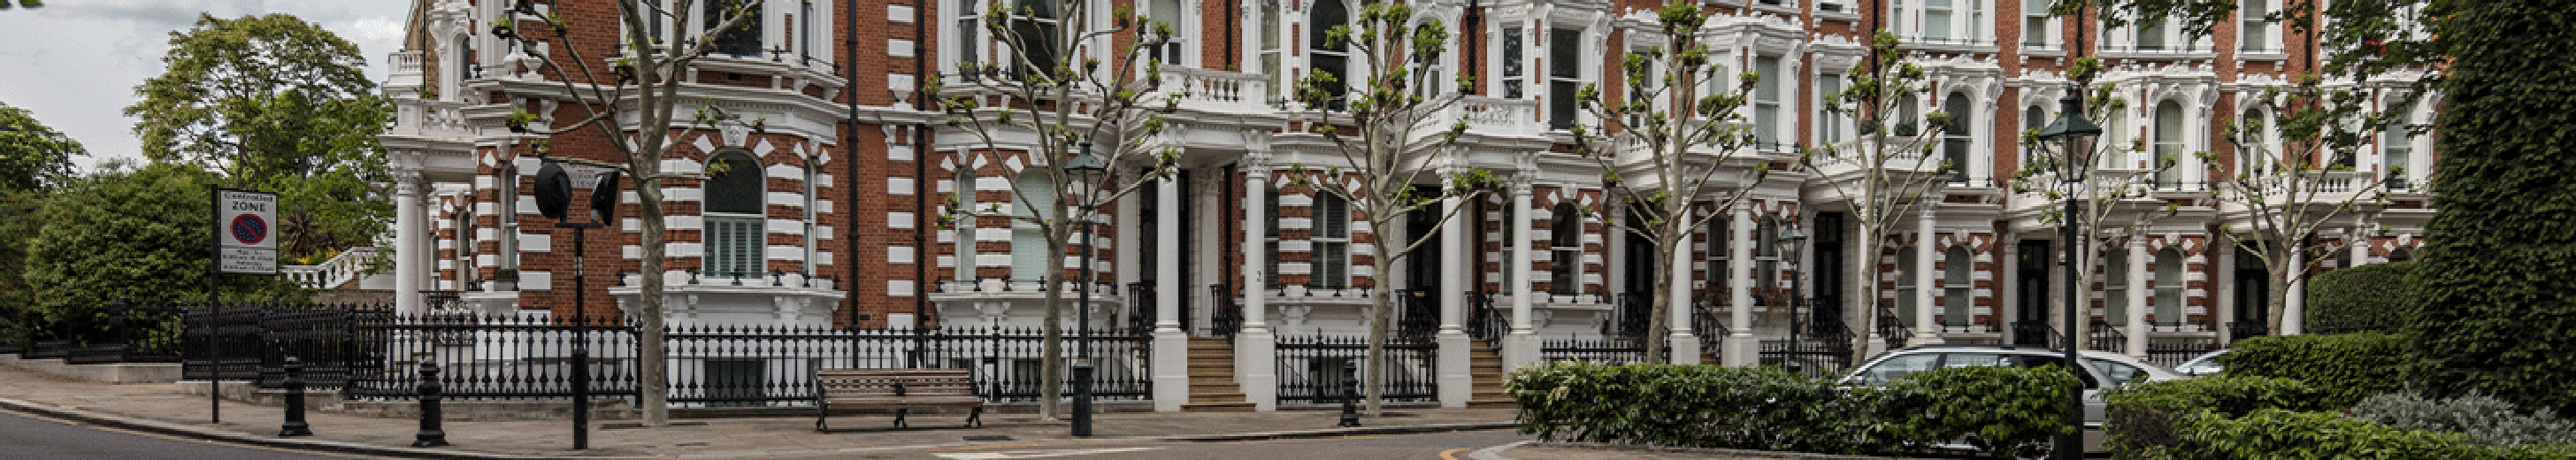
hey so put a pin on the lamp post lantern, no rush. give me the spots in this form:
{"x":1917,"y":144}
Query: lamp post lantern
{"x":2073,"y":136}
{"x":1088,"y":171}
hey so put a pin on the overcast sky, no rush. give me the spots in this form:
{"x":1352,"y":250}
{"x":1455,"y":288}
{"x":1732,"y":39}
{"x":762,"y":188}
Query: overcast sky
{"x":75,"y":63}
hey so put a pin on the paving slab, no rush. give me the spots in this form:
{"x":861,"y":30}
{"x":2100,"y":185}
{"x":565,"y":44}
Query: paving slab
{"x":167,"y":409}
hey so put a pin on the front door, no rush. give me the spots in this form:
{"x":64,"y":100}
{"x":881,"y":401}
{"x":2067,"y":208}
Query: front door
{"x":2030,"y":327}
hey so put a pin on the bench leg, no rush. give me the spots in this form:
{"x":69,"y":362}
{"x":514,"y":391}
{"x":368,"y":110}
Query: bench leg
{"x":975,"y":419}
{"x":822,"y":411}
{"x":898,"y":417}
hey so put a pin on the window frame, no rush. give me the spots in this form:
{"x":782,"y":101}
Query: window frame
{"x":2170,"y":141}
{"x":2167,"y":276}
{"x":1331,"y":234}
{"x":1958,"y":140}
{"x":2115,"y":287}
{"x":1958,"y":286}
{"x":1564,"y":76}
{"x":724,"y":226}
{"x":1565,"y":250}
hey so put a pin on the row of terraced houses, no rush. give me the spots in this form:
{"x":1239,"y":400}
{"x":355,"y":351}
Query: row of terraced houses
{"x":828,"y":215}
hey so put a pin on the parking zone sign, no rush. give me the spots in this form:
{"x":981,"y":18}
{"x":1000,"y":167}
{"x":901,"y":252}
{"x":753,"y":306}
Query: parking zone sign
{"x":245,"y":232}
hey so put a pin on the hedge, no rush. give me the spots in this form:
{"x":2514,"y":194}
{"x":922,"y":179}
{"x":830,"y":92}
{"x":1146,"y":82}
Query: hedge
{"x":2275,"y":433}
{"x":2367,"y":297}
{"x":2000,"y":411}
{"x":2348,"y":367}
{"x":2142,"y":417}
{"x":2497,"y":316}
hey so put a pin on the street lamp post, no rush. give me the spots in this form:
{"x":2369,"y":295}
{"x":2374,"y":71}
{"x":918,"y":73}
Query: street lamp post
{"x":2073,"y":136}
{"x":1087,"y":170}
{"x":1790,"y":241}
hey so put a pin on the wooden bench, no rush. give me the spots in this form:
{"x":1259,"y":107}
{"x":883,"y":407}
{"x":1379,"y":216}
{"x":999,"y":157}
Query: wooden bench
{"x":898,"y":389}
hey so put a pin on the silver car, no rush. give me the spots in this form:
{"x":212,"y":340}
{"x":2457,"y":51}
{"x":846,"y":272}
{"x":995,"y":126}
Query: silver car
{"x":2100,"y":366}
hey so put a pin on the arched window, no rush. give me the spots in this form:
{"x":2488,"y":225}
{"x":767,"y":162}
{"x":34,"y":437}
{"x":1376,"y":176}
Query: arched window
{"x":2115,"y":287}
{"x":1957,"y":287}
{"x":2250,"y":138}
{"x":736,"y":214}
{"x":1029,"y":258}
{"x":2168,"y":287}
{"x":1329,"y":55}
{"x":1956,"y":140}
{"x":2401,"y":255}
{"x":2169,"y":145}
{"x":1565,"y":260}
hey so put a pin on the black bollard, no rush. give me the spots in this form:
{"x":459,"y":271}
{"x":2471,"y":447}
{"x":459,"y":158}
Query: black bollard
{"x":294,"y":425}
{"x":1082,"y":398}
{"x":430,"y":435}
{"x":1350,"y":394}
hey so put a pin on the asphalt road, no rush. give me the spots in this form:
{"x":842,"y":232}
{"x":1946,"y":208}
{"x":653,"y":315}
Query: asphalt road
{"x":1414,"y":446}
{"x":27,"y":437}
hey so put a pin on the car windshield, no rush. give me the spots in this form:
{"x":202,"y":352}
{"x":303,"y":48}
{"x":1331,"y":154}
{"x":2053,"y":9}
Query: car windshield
{"x":2121,"y":374}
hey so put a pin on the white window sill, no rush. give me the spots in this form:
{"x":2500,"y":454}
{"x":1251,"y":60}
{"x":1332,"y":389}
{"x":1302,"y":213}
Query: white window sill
{"x":2160,"y":55}
{"x":1790,"y":9}
{"x":2262,"y":56}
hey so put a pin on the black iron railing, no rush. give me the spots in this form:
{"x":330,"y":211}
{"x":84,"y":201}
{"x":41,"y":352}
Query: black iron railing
{"x":1485,"y":321}
{"x":1227,"y":318}
{"x":2172,"y":351}
{"x":373,"y":354}
{"x":1824,"y":352}
{"x":2107,"y":337}
{"x":1310,"y":368}
{"x":1417,"y":314}
{"x":1635,"y":310}
{"x":1893,"y":328}
{"x":133,"y":333}
{"x":1608,"y":350}
{"x":1141,"y":309}
{"x":1709,"y":321}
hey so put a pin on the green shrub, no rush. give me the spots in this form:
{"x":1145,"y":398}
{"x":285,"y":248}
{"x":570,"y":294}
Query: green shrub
{"x":2484,"y":419}
{"x":2372,"y":295}
{"x":2006,"y":411}
{"x":1681,"y":405}
{"x":2002,"y":411}
{"x":2347,"y":367}
{"x":2142,"y":416}
{"x":2274,"y":433}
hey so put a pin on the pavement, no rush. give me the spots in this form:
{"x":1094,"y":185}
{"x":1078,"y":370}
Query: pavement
{"x":165,"y":410}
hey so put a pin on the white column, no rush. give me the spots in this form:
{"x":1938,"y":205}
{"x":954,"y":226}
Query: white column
{"x":1167,"y":255}
{"x":1253,"y":348}
{"x":1171,"y":344}
{"x":1685,"y":344}
{"x":1926,"y":331}
{"x":1456,"y":383}
{"x":1740,"y":347}
{"x":2139,"y":288}
{"x":1522,"y":347}
{"x":2295,"y":307}
{"x":1210,"y":201}
{"x":2360,"y":244}
{"x":1453,"y":267}
{"x":410,"y":263}
{"x":2222,"y":294}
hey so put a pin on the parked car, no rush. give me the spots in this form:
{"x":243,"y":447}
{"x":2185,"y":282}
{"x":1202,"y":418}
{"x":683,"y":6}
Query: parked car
{"x":2100,"y":366}
{"x":2207,"y":364}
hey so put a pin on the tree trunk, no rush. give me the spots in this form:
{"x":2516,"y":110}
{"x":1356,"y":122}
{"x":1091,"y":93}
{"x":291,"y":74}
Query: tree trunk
{"x":1379,"y":315}
{"x":1659,"y":315}
{"x":1051,"y":344}
{"x":651,"y":369}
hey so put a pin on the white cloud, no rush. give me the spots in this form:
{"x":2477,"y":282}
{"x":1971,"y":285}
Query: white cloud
{"x":75,"y":63}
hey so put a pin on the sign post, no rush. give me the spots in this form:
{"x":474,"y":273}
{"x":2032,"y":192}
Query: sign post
{"x":244,"y":238}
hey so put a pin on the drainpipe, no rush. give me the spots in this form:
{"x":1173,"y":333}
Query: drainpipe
{"x":921,"y":189}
